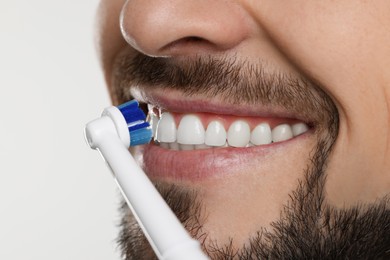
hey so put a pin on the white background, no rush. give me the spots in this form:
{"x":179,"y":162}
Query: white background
{"x":57,"y":198}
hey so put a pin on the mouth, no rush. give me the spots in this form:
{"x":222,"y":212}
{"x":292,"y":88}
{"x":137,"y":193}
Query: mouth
{"x":197,"y":139}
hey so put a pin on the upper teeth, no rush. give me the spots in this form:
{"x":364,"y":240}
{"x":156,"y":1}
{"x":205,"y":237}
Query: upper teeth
{"x":166,"y":129}
{"x":239,"y":134}
{"x":190,"y":130}
{"x":191,"y":134}
{"x":215,"y":134}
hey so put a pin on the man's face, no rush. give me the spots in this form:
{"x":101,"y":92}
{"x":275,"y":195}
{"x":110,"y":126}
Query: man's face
{"x":320,"y":65}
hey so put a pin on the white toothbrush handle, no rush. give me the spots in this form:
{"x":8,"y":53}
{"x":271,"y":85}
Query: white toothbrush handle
{"x":163,"y":230}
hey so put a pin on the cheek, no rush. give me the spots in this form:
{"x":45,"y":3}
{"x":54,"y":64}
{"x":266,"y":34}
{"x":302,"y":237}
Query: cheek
{"x":340,"y":44}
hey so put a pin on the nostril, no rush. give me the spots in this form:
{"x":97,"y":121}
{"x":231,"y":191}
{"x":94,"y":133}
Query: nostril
{"x":187,"y":43}
{"x":194,"y":39}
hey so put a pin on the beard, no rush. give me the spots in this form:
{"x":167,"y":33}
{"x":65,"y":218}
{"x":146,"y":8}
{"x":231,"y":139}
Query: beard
{"x":308,"y":227}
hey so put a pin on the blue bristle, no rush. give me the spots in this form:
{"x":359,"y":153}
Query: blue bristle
{"x":138,"y":126}
{"x":140,"y":131}
{"x":140,"y":136}
{"x":132,"y":104}
{"x":131,"y":112}
{"x":134,"y":117}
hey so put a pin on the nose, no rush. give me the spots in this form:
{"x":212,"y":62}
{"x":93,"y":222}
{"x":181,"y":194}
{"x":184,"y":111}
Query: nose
{"x":183,"y":27}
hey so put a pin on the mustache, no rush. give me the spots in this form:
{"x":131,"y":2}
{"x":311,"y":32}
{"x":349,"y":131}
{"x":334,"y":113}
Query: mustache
{"x":233,"y":80}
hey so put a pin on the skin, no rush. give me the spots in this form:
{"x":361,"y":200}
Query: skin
{"x":342,"y":45}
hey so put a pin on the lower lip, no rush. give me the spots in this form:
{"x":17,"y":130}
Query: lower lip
{"x":199,"y":165}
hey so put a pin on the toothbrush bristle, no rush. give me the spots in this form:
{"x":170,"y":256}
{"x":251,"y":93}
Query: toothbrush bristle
{"x":140,"y":130}
{"x":132,"y":112}
{"x":132,"y":104}
{"x":138,"y":126}
{"x":140,"y":136}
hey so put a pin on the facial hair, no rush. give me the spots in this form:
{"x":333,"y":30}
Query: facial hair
{"x":308,"y":227}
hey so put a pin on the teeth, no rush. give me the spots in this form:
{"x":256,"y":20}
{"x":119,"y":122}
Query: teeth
{"x":239,"y":134}
{"x":174,"y":146}
{"x":191,"y":134}
{"x":190,"y":130}
{"x":261,"y":134}
{"x":202,"y":147}
{"x":166,"y":129}
{"x":186,"y":147}
{"x":215,"y":134}
{"x":299,"y":129}
{"x":164,"y":145}
{"x":282,"y":133}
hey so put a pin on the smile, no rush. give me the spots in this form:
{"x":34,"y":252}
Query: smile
{"x":197,"y":139}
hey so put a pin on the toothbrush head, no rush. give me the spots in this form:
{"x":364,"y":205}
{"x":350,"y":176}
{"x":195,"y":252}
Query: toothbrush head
{"x":140,"y":131}
{"x":129,"y":122}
